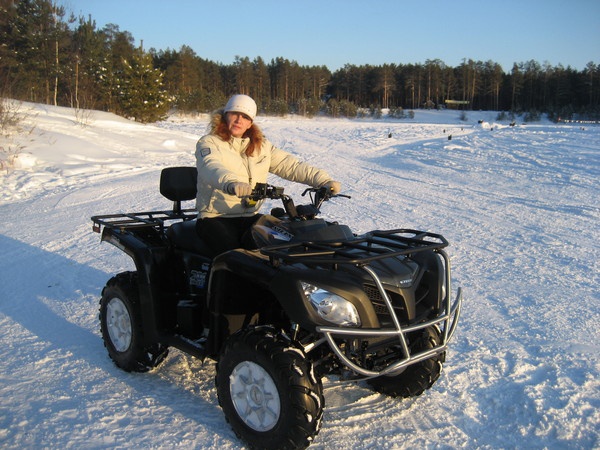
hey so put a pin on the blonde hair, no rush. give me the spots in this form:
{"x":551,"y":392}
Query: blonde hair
{"x":218,"y":127}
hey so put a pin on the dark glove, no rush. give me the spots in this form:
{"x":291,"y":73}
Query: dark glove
{"x":334,"y":187}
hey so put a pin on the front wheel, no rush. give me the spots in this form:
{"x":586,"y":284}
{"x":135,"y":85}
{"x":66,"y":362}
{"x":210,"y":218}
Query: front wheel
{"x":121,"y":327}
{"x":418,"y":377}
{"x":268,"y":390}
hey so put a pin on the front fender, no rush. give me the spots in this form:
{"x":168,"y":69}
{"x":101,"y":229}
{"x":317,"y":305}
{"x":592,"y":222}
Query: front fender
{"x":240,"y":279}
{"x":287,"y":287}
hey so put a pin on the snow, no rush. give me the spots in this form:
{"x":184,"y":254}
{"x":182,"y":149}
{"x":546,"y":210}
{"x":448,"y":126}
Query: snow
{"x":520,"y":206}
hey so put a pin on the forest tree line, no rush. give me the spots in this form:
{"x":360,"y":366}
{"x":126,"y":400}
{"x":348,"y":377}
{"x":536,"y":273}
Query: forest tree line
{"x":50,"y":56}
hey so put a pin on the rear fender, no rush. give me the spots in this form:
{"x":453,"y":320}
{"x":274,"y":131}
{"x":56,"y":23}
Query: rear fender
{"x":143,"y":257}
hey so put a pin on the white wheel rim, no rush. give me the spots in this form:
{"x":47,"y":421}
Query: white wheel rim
{"x":254,"y":396}
{"x":118,"y":324}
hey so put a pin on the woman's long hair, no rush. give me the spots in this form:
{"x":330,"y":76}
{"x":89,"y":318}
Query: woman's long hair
{"x":218,"y":127}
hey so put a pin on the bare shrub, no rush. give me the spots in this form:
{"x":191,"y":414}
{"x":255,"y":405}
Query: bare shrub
{"x":11,"y":125}
{"x":84,"y":117}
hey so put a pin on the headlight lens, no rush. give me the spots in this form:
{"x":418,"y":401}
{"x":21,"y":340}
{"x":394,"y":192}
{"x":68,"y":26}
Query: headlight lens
{"x":332,"y":307}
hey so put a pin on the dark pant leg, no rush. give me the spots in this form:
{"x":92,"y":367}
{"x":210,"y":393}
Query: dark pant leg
{"x":219,"y":234}
{"x":246,"y":239}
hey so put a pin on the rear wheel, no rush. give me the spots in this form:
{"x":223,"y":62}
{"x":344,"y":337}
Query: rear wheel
{"x":416,"y":378}
{"x":120,"y":324}
{"x":268,"y":390}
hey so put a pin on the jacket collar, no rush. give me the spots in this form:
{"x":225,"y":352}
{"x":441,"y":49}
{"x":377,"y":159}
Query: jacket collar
{"x":239,"y":144}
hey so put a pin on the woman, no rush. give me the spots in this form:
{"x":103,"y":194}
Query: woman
{"x":231,"y":159}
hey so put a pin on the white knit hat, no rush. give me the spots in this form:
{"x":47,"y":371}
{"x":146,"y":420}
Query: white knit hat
{"x":242,"y":104}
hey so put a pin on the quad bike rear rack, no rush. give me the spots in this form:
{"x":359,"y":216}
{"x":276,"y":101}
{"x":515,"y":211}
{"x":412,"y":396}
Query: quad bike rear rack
{"x":154,"y":219}
{"x":360,"y":252}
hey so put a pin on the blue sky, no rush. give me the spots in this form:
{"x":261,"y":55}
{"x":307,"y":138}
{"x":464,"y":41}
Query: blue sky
{"x":334,"y":33}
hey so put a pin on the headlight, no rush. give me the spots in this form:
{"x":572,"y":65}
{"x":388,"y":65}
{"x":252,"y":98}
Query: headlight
{"x":331,"y":307}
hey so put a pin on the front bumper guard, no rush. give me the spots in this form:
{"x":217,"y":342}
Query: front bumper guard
{"x":447,"y":321}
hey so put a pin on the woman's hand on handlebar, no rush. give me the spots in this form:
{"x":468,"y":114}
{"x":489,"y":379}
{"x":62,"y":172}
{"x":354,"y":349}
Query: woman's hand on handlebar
{"x":333,"y":187}
{"x":239,"y":189}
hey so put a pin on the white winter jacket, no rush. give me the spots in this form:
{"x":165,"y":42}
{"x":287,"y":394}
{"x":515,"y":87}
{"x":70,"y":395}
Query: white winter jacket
{"x":220,"y":163}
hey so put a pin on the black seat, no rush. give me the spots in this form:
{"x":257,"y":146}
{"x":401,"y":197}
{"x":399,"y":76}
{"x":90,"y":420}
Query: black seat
{"x":178,"y":184}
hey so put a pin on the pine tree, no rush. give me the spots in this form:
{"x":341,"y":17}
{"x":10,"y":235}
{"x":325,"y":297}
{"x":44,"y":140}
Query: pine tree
{"x":90,"y":55}
{"x":141,"y":93}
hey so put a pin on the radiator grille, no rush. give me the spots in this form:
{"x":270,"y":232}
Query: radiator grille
{"x":379,"y":303}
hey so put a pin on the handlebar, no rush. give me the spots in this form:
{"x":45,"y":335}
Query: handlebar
{"x":320,"y":195}
{"x":263,"y":191}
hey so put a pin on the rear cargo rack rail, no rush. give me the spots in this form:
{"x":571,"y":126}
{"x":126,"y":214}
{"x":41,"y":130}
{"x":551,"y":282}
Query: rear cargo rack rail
{"x":155,"y":219}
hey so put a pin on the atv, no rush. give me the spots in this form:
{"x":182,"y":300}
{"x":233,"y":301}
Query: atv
{"x":312,"y":300}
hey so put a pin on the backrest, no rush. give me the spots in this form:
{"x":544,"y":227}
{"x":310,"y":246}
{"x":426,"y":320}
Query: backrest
{"x":178,"y":184}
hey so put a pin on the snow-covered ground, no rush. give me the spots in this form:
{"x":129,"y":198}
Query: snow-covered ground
{"x":520,"y":206}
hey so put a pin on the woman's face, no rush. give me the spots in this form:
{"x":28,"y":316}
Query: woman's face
{"x":238,"y":123}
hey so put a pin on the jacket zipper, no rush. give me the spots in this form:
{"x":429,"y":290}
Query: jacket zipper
{"x":247,"y":165}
